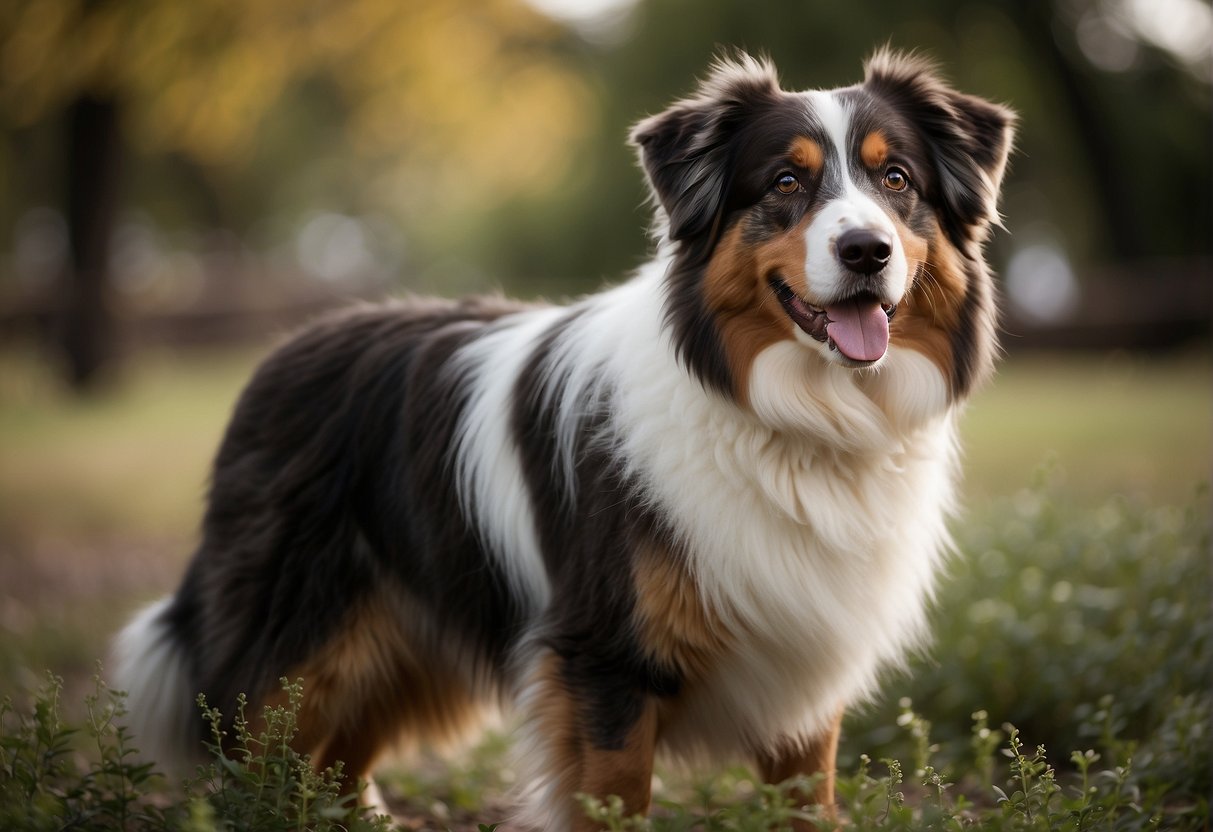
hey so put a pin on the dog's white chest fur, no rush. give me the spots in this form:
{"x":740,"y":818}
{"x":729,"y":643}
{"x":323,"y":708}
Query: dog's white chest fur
{"x":815,"y":541}
{"x":813,"y":525}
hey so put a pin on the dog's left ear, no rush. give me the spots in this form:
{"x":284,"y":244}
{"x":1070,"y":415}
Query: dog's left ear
{"x":969,"y":139}
{"x":685,"y":149}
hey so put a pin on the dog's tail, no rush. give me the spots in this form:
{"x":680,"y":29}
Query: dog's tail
{"x":149,"y":663}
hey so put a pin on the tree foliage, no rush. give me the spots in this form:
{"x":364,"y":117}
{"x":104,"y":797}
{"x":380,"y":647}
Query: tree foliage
{"x":200,"y":78}
{"x":493,"y":137}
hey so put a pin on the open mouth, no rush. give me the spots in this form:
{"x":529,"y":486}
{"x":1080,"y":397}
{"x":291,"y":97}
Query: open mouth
{"x":857,"y":327}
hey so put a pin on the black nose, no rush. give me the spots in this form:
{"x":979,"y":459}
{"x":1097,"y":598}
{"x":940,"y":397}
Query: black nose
{"x":864,"y":250}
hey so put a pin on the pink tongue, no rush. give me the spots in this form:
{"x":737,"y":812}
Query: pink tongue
{"x":860,"y":329}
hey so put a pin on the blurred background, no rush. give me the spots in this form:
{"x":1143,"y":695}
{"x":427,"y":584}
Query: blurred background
{"x":185,"y":182}
{"x":187,"y":172}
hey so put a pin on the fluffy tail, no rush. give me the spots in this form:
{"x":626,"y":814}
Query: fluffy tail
{"x":149,"y":663}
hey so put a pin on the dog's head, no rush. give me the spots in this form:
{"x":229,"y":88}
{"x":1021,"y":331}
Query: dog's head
{"x":849,"y":220}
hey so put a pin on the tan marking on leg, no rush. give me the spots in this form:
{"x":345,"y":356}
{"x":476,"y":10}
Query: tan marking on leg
{"x":553,"y":729}
{"x":874,"y":151}
{"x":627,"y":772}
{"x":371,"y":684}
{"x":573,"y":765}
{"x":807,"y":154}
{"x":673,"y":622}
{"x":817,"y":756}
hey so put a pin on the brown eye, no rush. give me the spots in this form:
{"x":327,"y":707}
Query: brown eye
{"x":787,"y":184}
{"x":895,"y":179}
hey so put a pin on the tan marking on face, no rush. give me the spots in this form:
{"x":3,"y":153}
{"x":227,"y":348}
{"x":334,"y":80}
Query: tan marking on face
{"x":576,"y":765}
{"x":673,"y":622}
{"x":738,"y":293}
{"x":371,"y":685}
{"x":874,"y":151}
{"x":807,"y":154}
{"x":817,"y":755}
{"x":930,"y":311}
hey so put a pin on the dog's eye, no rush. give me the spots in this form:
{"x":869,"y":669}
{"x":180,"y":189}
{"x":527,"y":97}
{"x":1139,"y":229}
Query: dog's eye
{"x":895,"y":179}
{"x":787,"y":184}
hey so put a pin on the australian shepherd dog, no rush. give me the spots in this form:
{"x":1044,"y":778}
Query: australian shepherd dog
{"x":695,"y":513}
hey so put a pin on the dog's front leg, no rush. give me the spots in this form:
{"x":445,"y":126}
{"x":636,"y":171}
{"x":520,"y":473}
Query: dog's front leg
{"x":582,"y":739}
{"x":815,"y":756}
{"x":624,"y":769}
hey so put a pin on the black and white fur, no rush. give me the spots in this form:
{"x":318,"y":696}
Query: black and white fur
{"x":673,"y":516}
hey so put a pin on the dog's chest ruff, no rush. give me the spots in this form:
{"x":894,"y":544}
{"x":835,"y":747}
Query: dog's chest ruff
{"x":817,"y":560}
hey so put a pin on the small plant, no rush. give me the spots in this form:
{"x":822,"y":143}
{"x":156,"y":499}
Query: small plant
{"x":56,"y":777}
{"x":983,"y":745}
{"x":875,"y":802}
{"x":725,"y":804}
{"x":1029,"y":793}
{"x":45,"y":782}
{"x":1035,"y":782}
{"x":257,"y":781}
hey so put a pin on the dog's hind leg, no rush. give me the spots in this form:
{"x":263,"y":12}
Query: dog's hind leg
{"x":374,"y":685}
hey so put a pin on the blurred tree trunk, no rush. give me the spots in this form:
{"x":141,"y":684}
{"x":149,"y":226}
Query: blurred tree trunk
{"x":93,"y":160}
{"x":1115,"y":203}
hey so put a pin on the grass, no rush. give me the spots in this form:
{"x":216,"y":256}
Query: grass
{"x":128,"y":462}
{"x":133,"y":463}
{"x":1113,"y":423}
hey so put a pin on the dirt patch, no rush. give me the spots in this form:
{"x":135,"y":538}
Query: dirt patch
{"x":49,"y":572}
{"x":62,"y":601}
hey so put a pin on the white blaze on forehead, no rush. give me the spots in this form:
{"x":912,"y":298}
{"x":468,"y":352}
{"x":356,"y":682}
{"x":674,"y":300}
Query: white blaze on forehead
{"x":834,"y":116}
{"x":854,"y":208}
{"x":850,"y":208}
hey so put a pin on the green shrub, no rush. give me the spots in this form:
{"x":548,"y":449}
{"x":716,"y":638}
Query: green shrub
{"x":1089,"y":629}
{"x":253,"y":782}
{"x":46,"y":782}
{"x":256,"y":781}
{"x":1008,"y":787}
{"x":1064,"y":620}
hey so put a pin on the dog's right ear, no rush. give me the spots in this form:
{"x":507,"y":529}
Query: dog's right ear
{"x":969,"y":138}
{"x":685,"y":149}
